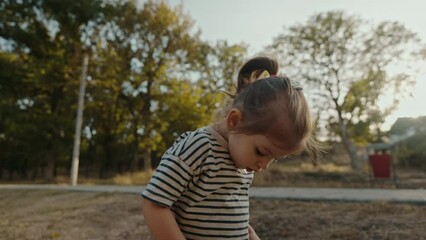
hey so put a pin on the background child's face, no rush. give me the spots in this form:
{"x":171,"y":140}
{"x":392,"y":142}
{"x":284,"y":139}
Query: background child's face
{"x":254,"y":152}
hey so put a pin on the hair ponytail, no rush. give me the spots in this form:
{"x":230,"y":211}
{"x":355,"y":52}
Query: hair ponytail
{"x":253,"y":69}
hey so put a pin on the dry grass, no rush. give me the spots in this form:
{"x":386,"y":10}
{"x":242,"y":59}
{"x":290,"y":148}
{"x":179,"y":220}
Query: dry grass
{"x":305,"y":174}
{"x":332,"y":175}
{"x":292,"y":173}
{"x":34,"y":214}
{"x":44,"y":214}
{"x":283,"y":174}
{"x":137,"y":178}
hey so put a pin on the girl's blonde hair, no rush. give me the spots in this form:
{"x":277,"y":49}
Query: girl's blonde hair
{"x":274,"y":105}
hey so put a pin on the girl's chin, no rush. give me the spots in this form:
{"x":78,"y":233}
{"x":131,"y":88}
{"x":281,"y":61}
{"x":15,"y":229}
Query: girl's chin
{"x":249,"y":170}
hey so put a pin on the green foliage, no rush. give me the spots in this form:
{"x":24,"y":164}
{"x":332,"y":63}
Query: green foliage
{"x":411,"y":151}
{"x":42,"y":86}
{"x":345,"y":64}
{"x":150,"y":78}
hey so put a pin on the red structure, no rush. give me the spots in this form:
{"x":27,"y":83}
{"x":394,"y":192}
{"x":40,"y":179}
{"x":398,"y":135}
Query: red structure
{"x":381,"y":167}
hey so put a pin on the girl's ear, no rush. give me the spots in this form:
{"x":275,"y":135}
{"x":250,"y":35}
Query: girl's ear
{"x":233,"y":119}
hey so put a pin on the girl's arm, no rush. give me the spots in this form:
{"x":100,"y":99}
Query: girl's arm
{"x":252,"y":234}
{"x":160,"y":221}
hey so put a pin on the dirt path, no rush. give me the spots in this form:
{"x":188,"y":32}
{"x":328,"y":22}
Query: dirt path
{"x":48,"y":214}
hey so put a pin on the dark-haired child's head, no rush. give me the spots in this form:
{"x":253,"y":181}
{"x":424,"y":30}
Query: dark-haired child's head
{"x":274,"y":109}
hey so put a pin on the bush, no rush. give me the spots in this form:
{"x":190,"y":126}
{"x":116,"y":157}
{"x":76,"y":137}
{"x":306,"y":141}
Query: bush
{"x":412,"y":151}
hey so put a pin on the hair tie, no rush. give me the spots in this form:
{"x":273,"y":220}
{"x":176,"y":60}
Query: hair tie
{"x":296,"y":85}
{"x":232,"y":96}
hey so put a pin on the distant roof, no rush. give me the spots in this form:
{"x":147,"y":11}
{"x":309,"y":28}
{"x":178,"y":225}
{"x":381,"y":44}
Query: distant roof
{"x":401,"y":125}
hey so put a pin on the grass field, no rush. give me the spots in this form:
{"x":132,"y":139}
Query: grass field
{"x":46,"y":214}
{"x":287,"y":174}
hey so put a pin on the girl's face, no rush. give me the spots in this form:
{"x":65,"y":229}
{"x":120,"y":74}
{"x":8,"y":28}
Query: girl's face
{"x":254,"y":152}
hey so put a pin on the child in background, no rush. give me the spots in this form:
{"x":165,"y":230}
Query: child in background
{"x":200,"y":190}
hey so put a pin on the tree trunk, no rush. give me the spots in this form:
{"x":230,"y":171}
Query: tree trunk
{"x":2,"y":169}
{"x":135,"y":162}
{"x":347,"y":143}
{"x":50,"y":168}
{"x":351,"y":150}
{"x":24,"y":170}
{"x":107,"y":164}
{"x":147,"y":160}
{"x":349,"y":146}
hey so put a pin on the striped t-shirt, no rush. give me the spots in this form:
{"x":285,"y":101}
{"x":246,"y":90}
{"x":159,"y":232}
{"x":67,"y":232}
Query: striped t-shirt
{"x":200,"y":183}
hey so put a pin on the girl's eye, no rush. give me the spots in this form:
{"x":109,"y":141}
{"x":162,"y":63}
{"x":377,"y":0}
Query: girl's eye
{"x":259,"y":153}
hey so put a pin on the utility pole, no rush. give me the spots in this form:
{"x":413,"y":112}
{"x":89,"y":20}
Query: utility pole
{"x":79,"y":122}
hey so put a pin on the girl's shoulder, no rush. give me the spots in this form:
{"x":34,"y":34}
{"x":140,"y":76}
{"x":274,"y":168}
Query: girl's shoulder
{"x":200,"y":150}
{"x":190,"y":142}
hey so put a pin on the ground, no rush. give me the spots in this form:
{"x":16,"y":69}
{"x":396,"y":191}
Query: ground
{"x":293,"y":173}
{"x":47,"y":214}
{"x":43,"y":214}
{"x":335,"y":175}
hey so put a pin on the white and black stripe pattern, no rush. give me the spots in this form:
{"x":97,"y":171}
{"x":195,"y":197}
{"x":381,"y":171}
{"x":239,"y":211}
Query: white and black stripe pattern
{"x":197,"y":179}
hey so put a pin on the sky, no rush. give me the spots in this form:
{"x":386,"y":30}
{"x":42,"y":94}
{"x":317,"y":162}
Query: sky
{"x":257,"y":22}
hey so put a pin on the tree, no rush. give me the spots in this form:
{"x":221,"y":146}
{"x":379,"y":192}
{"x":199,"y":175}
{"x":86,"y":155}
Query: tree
{"x":411,"y":147}
{"x":105,"y":114}
{"x":346,"y":66}
{"x":46,"y":37}
{"x":155,"y":42}
{"x":159,"y":53}
{"x":150,"y":78}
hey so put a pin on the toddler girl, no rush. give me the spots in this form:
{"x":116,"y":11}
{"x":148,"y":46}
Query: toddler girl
{"x":200,"y":188}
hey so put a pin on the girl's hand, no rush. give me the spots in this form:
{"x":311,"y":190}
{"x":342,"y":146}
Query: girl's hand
{"x":252,"y":234}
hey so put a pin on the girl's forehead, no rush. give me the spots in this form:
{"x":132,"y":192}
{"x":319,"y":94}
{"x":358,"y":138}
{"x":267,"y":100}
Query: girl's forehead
{"x":279,"y":148}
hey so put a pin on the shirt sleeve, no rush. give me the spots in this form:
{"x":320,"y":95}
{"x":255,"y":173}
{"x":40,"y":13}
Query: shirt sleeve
{"x":169,"y":181}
